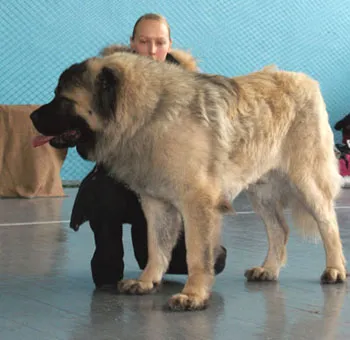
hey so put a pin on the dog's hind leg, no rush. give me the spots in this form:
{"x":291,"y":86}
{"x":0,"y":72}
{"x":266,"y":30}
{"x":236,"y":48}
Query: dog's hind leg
{"x":316,"y":191}
{"x":267,"y":201}
{"x":163,"y":228}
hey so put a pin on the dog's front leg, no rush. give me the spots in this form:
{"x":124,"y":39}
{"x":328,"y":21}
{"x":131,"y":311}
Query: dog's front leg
{"x":163,"y":227}
{"x":202,"y":221}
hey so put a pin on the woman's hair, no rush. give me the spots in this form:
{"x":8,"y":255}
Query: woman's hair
{"x":150,"y":16}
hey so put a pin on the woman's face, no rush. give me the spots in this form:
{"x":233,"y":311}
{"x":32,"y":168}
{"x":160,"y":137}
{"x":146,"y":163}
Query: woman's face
{"x":151,"y":39}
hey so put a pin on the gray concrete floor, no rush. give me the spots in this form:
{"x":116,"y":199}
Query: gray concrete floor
{"x":46,"y":291}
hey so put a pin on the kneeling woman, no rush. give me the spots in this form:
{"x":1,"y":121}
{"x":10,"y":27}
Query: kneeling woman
{"x":106,"y":203}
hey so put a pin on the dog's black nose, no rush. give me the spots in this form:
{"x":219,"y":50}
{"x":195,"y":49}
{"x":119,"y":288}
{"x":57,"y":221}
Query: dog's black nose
{"x":34,"y":116}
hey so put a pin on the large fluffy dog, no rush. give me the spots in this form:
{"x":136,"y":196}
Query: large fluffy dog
{"x":188,"y":143}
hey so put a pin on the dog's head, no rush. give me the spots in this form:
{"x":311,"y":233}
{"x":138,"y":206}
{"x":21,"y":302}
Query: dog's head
{"x":84,"y":102}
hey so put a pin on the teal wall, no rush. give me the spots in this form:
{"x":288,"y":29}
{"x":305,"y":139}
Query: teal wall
{"x":40,"y":38}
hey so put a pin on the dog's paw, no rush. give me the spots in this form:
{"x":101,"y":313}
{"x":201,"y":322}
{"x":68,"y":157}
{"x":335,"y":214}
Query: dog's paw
{"x":184,"y":302}
{"x":137,"y":287}
{"x":261,"y":274}
{"x":333,"y":275}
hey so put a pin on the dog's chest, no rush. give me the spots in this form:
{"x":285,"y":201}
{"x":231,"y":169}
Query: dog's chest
{"x":133,"y":163}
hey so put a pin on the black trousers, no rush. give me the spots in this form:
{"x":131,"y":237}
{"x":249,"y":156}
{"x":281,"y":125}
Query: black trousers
{"x":107,"y":204}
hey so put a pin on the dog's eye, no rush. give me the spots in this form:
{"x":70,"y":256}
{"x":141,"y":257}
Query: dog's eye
{"x":90,"y":112}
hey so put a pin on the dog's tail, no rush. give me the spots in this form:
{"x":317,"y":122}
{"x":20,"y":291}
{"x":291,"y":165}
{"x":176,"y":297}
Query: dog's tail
{"x":303,"y":221}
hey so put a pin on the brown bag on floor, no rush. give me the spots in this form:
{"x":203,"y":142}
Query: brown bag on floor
{"x":26,"y":171}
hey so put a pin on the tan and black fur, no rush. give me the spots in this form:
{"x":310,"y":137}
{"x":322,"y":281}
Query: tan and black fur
{"x":189,"y":143}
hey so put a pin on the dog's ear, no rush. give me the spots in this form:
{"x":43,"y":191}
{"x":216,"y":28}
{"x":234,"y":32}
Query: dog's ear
{"x":107,"y":84}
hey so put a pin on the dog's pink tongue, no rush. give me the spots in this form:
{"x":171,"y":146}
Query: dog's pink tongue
{"x":41,"y":140}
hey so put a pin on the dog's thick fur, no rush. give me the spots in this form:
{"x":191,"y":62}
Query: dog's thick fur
{"x":189,"y":143}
